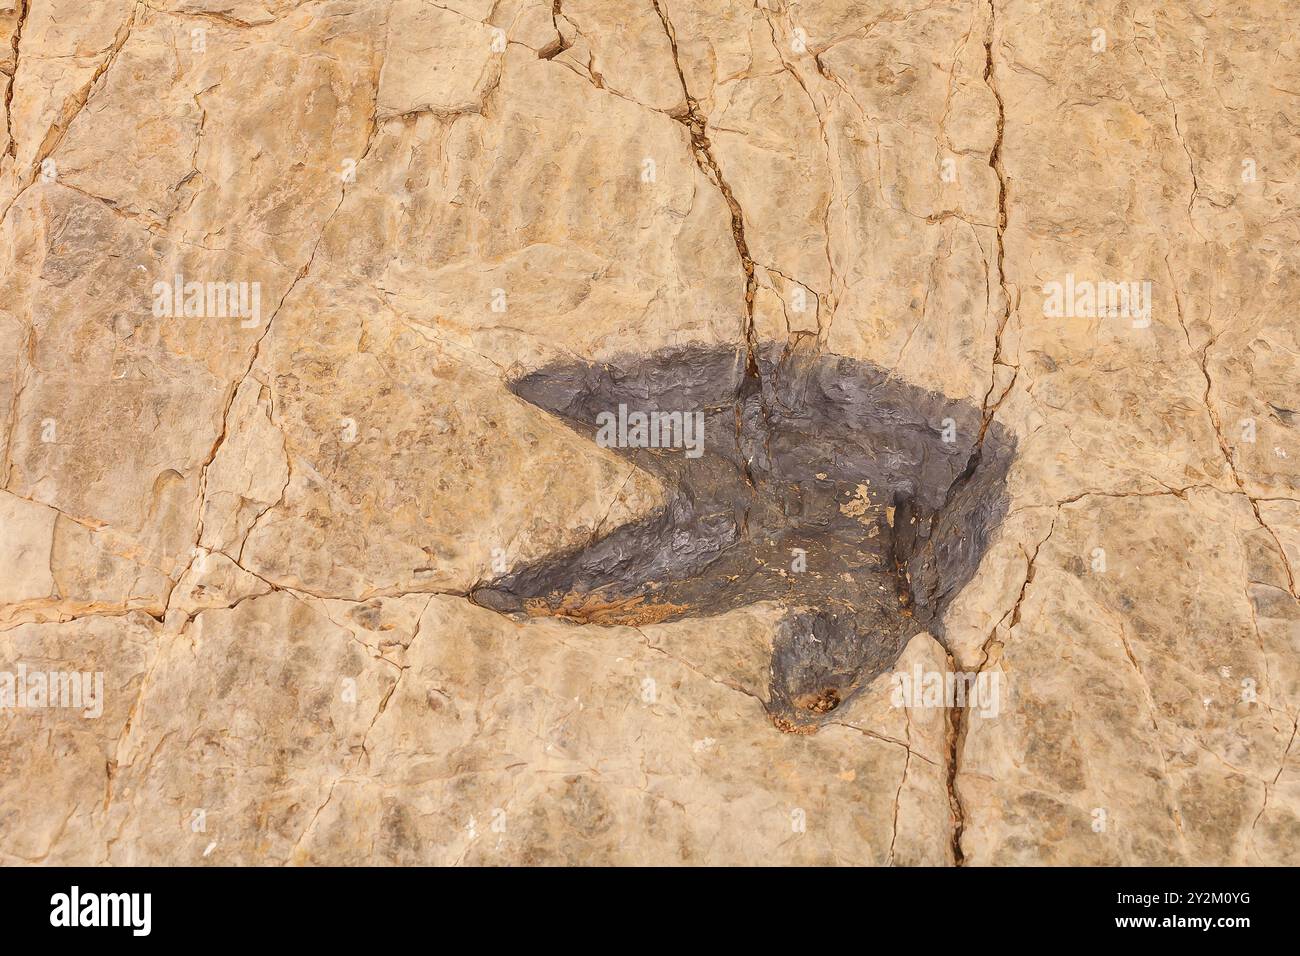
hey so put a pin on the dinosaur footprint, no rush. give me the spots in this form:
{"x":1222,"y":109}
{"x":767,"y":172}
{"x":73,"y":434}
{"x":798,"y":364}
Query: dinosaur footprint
{"x":859,"y":503}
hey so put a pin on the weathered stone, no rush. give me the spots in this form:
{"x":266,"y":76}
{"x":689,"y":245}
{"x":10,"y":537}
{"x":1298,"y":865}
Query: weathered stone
{"x":262,"y":509}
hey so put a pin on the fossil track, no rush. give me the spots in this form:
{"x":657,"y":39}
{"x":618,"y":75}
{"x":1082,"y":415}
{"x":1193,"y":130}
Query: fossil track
{"x":859,"y":503}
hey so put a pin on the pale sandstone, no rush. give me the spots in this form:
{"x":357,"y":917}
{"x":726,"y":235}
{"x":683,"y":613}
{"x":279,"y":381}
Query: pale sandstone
{"x":263,"y":534}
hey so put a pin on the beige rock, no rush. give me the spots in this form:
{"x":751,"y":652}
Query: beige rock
{"x":256,"y":509}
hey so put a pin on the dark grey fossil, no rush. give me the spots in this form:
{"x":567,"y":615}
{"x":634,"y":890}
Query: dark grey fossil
{"x":792,"y":440}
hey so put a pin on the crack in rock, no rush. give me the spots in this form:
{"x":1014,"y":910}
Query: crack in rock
{"x":860,"y":503}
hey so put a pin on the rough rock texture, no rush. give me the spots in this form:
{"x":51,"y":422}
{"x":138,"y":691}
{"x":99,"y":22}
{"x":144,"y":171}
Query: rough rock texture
{"x":263,"y":527}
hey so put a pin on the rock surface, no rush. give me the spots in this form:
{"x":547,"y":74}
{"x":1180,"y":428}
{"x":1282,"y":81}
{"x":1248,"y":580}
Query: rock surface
{"x":260,"y":518}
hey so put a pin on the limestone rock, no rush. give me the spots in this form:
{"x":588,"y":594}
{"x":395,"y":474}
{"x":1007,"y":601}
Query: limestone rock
{"x":268,"y":271}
